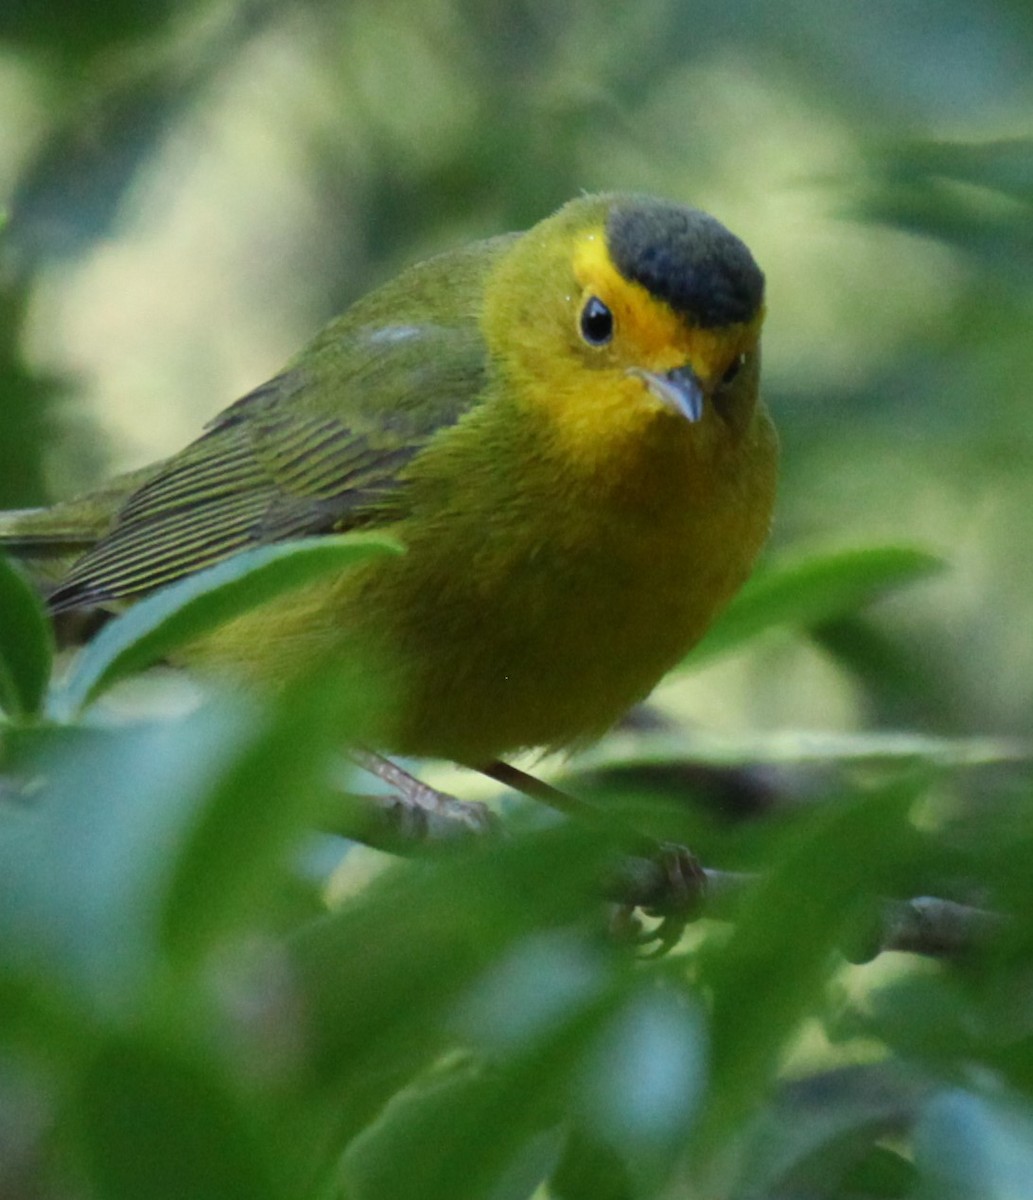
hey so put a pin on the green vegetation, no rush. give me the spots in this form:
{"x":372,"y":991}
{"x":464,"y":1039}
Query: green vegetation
{"x":204,"y":991}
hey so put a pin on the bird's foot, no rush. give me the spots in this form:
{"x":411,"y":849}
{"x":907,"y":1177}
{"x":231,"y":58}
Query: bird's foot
{"x":672,"y":887}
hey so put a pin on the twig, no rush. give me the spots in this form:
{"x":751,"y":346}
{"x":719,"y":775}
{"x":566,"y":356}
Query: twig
{"x":399,"y":824}
{"x":938,"y":928}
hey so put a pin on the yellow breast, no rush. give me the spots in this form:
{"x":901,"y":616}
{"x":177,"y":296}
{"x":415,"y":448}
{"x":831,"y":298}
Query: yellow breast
{"x":538,"y":603}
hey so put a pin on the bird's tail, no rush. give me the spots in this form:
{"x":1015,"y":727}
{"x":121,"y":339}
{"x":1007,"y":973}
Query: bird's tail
{"x":46,"y":531}
{"x":70,"y":527}
{"x":46,"y":541}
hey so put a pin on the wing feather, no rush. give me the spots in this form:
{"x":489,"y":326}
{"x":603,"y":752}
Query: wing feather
{"x":319,"y":448}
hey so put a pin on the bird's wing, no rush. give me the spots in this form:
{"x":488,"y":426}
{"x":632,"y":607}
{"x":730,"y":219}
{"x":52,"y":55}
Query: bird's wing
{"x":319,"y":448}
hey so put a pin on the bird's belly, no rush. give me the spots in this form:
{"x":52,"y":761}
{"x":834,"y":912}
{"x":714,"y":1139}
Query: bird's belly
{"x":485,"y":642}
{"x":556,"y":647}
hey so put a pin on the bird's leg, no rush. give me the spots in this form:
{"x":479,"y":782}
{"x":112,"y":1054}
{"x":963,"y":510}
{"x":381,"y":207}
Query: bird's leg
{"x":571,"y":806}
{"x":422,"y":797}
{"x":681,"y":895}
{"x":667,"y":882}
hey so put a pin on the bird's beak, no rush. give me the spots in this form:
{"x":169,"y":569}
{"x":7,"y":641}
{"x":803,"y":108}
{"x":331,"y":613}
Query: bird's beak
{"x":679,"y":389}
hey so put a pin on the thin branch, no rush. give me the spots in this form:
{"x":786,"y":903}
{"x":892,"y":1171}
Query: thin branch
{"x":938,"y":928}
{"x":400,"y":824}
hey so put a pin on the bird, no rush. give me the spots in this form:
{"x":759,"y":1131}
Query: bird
{"x":561,"y":427}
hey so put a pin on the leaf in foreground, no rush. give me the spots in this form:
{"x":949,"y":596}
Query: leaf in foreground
{"x":192,"y":607}
{"x":26,"y":644}
{"x":813,"y":591}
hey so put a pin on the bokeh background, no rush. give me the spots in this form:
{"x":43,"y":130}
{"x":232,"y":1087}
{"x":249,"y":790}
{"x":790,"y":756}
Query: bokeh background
{"x":189,"y":190}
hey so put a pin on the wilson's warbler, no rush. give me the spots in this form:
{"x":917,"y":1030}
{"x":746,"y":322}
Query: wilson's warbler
{"x":562,"y":427}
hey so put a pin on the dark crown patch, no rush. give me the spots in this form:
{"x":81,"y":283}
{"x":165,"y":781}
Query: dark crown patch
{"x":688,"y":259}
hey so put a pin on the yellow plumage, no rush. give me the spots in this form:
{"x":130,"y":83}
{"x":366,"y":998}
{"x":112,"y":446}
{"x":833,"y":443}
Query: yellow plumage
{"x":562,"y":428}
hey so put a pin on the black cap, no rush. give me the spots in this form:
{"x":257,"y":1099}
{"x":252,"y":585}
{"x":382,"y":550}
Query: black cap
{"x":687,"y":258}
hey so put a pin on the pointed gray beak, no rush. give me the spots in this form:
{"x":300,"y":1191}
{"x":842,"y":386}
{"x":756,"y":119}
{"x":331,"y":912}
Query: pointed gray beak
{"x":679,"y":389}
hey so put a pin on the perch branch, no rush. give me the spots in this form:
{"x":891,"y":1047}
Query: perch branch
{"x":414,"y":819}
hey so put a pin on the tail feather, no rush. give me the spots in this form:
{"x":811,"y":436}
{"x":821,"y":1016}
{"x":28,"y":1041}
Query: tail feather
{"x":46,"y":531}
{"x":69,"y":528}
{"x":47,"y":541}
{"x":46,"y":550}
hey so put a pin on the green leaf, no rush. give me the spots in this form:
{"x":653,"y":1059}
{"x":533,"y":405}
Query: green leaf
{"x":267,"y":796}
{"x":825,"y":1128}
{"x":84,"y":871}
{"x":192,"y":607}
{"x":893,"y":750}
{"x":150,"y":842}
{"x":26,"y":644}
{"x":1004,"y":165}
{"x":507,"y":1098}
{"x":590,"y":1170}
{"x":472,"y":1133}
{"x":378,"y":976}
{"x":971,"y":1148}
{"x":808,"y":593}
{"x":162,"y":1124}
{"x":771,"y":973}
{"x":642,"y":1083}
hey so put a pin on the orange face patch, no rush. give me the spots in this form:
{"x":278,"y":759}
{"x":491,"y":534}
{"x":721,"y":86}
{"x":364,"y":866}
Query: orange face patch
{"x":594,"y":401}
{"x":648,"y":332}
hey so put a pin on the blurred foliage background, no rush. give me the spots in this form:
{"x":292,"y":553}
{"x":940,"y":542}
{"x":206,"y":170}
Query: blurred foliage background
{"x":191,"y":189}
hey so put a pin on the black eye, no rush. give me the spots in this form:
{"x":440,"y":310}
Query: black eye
{"x":736,"y":365}
{"x":596,"y":322}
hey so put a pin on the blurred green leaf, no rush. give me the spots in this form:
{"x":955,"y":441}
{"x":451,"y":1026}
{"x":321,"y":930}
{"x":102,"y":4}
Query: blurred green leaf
{"x":643,"y":1083}
{"x":84,"y":868}
{"x":164,"y":1125}
{"x":78,"y":29}
{"x":152,"y":841}
{"x":771,"y":973}
{"x":898,"y":683}
{"x":26,"y":644}
{"x":590,"y":1170}
{"x":269,"y":793}
{"x":389,"y":977}
{"x":974,"y":197}
{"x":194,"y":606}
{"x":823,"y":1129}
{"x":896,"y":749}
{"x":26,"y":393}
{"x":1004,"y":165}
{"x":811,"y":592}
{"x":882,"y":1174}
{"x":419,"y":1149}
{"x":968,"y":1147}
{"x":510,"y":1097}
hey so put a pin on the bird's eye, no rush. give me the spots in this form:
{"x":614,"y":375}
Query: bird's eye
{"x":734,"y":367}
{"x":596,"y":322}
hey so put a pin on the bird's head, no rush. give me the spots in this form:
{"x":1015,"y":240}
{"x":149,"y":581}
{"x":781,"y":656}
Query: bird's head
{"x":625,"y":313}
